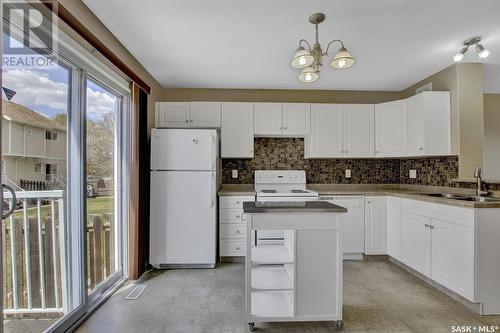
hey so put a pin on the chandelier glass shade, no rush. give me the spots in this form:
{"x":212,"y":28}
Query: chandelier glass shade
{"x":308,"y":75}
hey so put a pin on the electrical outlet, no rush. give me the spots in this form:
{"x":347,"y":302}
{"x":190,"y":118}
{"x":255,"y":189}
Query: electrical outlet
{"x":413,"y":173}
{"x":235,"y":173}
{"x":348,"y":173}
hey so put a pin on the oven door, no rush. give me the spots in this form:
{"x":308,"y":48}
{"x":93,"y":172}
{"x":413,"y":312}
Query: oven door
{"x":275,"y":237}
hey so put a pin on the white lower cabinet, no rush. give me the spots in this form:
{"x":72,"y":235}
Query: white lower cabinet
{"x":232,"y":225}
{"x":394,"y":227}
{"x":352,"y":224}
{"x":452,"y":255}
{"x":439,"y":241}
{"x":416,"y":242}
{"x":375,"y":225}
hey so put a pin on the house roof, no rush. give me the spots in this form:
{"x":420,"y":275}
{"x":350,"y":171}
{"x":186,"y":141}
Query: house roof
{"x":21,"y":114}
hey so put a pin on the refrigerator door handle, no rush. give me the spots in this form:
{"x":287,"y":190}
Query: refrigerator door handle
{"x":212,"y":191}
{"x":212,"y":151}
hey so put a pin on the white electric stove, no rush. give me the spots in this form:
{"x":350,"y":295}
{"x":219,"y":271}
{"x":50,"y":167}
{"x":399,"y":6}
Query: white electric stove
{"x":280,"y":185}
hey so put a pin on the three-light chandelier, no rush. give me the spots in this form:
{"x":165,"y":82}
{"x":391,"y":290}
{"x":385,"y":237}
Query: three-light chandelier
{"x":310,"y":60}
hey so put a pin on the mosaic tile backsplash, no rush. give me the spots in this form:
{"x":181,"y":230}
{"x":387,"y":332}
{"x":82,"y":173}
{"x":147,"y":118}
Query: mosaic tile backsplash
{"x":288,"y":154}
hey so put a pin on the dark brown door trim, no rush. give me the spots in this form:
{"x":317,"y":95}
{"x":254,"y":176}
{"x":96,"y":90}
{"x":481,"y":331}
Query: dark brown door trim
{"x":77,"y":26}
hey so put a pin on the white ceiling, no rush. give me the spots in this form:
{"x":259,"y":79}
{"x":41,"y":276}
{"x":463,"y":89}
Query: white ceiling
{"x":249,"y":43}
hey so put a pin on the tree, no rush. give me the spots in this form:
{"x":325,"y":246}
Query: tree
{"x":100,"y":146}
{"x":100,"y":143}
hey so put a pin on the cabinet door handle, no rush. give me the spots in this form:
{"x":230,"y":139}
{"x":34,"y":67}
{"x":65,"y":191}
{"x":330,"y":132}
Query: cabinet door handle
{"x":286,"y":128}
{"x":238,"y":248}
{"x":191,"y":120}
{"x":187,"y":120}
{"x":346,"y":151}
{"x":238,"y":216}
{"x":421,"y":148}
{"x":426,"y":225}
{"x":237,"y":231}
{"x":431,"y":226}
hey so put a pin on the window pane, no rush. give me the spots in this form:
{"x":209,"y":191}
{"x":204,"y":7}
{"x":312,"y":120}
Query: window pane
{"x":101,"y":180}
{"x":35,"y":110}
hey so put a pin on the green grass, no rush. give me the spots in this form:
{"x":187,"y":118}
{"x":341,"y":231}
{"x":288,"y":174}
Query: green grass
{"x":98,"y":205}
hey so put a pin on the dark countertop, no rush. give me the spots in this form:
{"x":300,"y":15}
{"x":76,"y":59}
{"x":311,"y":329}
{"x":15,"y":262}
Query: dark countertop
{"x":292,"y":207}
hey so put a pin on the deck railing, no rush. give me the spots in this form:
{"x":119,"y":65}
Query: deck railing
{"x":32,"y":239}
{"x":34,"y":244}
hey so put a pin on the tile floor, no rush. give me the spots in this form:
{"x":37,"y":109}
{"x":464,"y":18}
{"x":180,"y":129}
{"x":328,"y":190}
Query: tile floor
{"x":378,"y":297}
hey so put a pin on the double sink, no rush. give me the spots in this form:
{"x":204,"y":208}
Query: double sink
{"x":462,"y":197}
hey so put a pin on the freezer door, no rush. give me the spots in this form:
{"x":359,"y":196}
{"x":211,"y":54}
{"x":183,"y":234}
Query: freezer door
{"x":183,"y":149}
{"x":183,"y":217}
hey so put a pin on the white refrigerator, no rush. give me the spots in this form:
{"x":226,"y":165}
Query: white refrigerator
{"x":183,"y":198}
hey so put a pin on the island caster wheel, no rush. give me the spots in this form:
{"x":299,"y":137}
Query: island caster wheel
{"x":339,"y":324}
{"x":251,"y":327}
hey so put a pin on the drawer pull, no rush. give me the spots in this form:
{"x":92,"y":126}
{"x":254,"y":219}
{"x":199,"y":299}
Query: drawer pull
{"x":238,"y":248}
{"x":237,"y":231}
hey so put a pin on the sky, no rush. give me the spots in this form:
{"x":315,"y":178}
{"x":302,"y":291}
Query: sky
{"x":46,"y":91}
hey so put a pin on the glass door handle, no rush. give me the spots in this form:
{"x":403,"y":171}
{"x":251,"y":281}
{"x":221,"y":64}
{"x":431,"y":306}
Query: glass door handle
{"x":6,"y":214}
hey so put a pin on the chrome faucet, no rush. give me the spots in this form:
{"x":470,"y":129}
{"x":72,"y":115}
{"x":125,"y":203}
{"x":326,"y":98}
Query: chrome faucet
{"x":480,"y":190}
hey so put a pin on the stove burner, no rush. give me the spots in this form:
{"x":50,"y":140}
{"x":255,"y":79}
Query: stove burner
{"x":298,"y":191}
{"x":268,"y":191}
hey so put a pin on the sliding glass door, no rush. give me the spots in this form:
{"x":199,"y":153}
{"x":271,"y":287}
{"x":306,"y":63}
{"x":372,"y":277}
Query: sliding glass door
{"x":64,"y":151}
{"x":103,"y":177}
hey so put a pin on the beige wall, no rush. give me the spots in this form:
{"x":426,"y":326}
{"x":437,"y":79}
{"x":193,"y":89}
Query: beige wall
{"x":91,"y":22}
{"x":16,"y":139}
{"x":465,"y":83}
{"x":276,"y":95}
{"x":34,"y":141}
{"x":492,"y":136}
{"x":470,"y":86}
{"x":56,"y":148}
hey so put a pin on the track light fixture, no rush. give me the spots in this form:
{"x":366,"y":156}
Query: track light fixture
{"x":482,"y":52}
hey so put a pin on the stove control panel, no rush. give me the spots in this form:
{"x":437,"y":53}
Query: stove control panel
{"x":280,"y":177}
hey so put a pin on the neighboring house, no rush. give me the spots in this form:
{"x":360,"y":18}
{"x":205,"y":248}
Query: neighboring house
{"x":33,"y":146}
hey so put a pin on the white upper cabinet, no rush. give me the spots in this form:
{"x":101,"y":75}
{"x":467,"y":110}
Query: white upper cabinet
{"x":358,"y":130}
{"x":429,"y":124}
{"x":205,"y":114}
{"x":268,"y":119}
{"x":341,"y":130}
{"x":325,"y":139}
{"x":172,"y":114}
{"x":188,"y":115}
{"x":375,"y":225}
{"x":391,"y":129}
{"x":237,"y":130}
{"x":296,"y":118}
{"x":277,"y":119}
